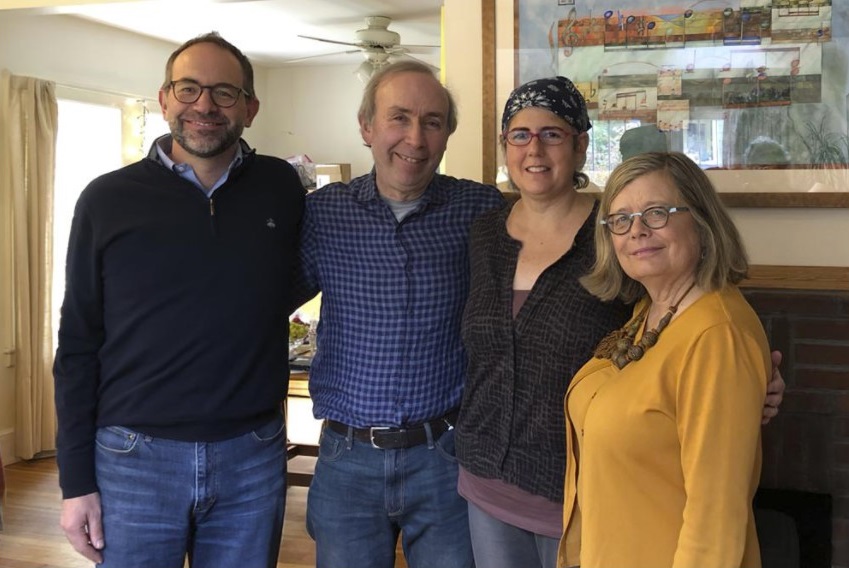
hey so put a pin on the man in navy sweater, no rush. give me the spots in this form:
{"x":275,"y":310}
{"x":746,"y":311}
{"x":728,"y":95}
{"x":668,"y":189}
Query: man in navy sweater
{"x":172,"y":358}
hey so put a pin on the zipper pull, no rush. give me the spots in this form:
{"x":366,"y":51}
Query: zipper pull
{"x":211,"y":208}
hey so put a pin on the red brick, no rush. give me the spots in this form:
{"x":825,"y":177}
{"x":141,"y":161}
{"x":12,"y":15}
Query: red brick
{"x":821,"y":354}
{"x":837,"y":330}
{"x":839,"y":551}
{"x":802,"y":303}
{"x":773,"y":434}
{"x":840,"y":483}
{"x":806,"y":455}
{"x":799,"y":401}
{"x":840,"y":542}
{"x":828,"y":304}
{"x":840,"y":506}
{"x":823,"y":378}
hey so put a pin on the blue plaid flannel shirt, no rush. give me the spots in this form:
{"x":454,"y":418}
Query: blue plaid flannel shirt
{"x":389,"y":351}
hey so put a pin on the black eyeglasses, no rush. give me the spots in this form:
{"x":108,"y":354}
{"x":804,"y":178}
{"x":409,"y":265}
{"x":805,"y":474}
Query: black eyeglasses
{"x":550,"y":136}
{"x":224,"y":95}
{"x":654,"y":218}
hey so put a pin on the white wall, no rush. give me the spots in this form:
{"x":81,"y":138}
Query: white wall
{"x":76,"y":52}
{"x":795,"y":237}
{"x":313,"y":111}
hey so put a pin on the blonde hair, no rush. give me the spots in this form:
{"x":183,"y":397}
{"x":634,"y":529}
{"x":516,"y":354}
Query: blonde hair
{"x":723,"y":256}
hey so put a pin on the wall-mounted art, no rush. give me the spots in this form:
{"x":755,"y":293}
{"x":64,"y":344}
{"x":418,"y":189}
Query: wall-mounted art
{"x":738,"y":85}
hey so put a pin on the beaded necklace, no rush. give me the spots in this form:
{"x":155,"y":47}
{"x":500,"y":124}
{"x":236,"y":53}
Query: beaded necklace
{"x":619,"y":344}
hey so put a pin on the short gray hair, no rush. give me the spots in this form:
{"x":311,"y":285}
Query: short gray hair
{"x":369,"y":102}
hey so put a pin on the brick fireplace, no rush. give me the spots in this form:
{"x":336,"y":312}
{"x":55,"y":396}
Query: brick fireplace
{"x":806,"y":448}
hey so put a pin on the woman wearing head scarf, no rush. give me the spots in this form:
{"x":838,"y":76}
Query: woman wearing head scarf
{"x":529,"y":325}
{"x":663,"y":425}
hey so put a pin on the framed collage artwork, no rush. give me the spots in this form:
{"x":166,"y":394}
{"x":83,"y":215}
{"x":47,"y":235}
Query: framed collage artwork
{"x":755,"y":91}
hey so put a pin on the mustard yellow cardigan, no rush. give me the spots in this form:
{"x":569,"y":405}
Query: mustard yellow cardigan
{"x":664,"y":455}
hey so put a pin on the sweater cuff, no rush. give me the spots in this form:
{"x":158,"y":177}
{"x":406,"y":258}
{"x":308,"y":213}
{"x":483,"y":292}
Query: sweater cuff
{"x":76,"y":475}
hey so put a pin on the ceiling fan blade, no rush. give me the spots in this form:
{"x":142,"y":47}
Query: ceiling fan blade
{"x":398,"y":49}
{"x":420,"y":49}
{"x":411,"y":46}
{"x":330,"y":41}
{"x":299,"y":59}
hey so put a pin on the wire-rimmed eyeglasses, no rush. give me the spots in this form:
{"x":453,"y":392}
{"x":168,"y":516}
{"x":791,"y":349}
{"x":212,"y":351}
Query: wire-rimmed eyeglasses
{"x":550,"y":136}
{"x":224,"y":95}
{"x":654,"y":218}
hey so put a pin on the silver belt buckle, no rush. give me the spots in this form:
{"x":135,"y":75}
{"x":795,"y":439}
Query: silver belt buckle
{"x":371,"y":435}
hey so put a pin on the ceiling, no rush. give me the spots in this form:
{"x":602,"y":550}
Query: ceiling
{"x":265,"y":30}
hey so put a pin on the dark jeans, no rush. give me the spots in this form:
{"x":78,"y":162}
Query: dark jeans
{"x":220,"y":503}
{"x":362,"y":498}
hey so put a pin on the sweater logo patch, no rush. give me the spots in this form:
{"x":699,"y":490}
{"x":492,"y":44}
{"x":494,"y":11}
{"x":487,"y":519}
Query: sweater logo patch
{"x":270,"y":223}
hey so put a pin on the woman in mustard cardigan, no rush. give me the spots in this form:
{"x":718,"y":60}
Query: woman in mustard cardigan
{"x":664,"y":421}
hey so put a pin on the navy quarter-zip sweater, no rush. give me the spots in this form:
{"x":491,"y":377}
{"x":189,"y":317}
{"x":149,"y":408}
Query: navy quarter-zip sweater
{"x":174,"y":321}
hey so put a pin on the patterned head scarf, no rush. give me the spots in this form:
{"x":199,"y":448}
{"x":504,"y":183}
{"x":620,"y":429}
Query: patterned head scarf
{"x":557,"y":94}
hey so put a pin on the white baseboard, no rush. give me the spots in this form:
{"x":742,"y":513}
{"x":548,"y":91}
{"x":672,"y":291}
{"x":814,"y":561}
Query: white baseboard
{"x":7,"y":446}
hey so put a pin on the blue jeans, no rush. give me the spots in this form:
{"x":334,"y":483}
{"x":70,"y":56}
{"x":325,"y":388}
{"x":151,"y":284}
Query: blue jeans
{"x":220,"y":503}
{"x":361,"y":498}
{"x":501,"y":545}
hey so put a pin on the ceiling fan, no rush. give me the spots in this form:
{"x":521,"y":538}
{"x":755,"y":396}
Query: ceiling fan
{"x":377,"y":43}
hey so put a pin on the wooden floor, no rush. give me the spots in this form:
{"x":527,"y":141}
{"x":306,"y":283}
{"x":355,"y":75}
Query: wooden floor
{"x":32,"y":537}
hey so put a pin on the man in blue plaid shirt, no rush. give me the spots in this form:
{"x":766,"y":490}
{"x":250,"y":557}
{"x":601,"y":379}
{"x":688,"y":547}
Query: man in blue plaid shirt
{"x":389,"y":254}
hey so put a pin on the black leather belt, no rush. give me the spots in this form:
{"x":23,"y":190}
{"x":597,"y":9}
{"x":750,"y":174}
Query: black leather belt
{"x":392,"y":438}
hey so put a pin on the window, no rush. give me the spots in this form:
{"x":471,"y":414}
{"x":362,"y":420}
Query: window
{"x":96,"y":134}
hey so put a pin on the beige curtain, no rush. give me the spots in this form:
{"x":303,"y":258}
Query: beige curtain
{"x":28,"y":123}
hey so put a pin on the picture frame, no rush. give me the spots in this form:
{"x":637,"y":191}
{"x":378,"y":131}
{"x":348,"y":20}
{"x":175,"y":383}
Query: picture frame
{"x":779,"y":81}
